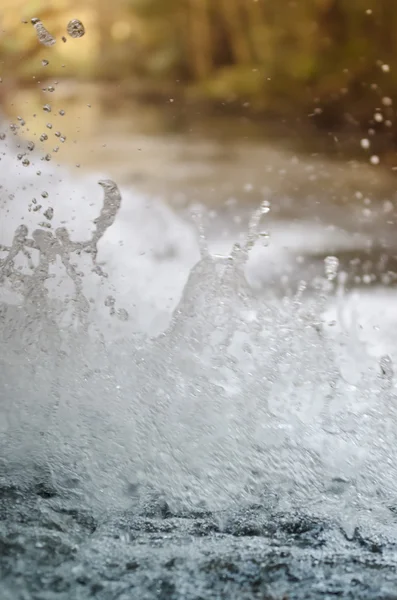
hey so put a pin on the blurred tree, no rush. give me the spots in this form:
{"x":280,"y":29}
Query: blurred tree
{"x":337,"y":58}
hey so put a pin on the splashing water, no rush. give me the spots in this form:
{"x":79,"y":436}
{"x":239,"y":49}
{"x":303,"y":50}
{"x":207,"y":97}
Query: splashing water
{"x":130,"y":403}
{"x":237,"y":400}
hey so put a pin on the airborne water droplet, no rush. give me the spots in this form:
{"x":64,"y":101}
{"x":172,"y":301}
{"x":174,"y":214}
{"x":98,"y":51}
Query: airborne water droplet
{"x":110,"y":301}
{"x":49,"y":213}
{"x":47,"y":108}
{"x":75,"y":28}
{"x":30,"y":146}
{"x":51,"y":88}
{"x":43,"y":137}
{"x":264,"y":237}
{"x":44,"y":194}
{"x":265,"y":207}
{"x":45,"y":62}
{"x":331,"y":267}
{"x":386,"y":367}
{"x":43,"y":35}
{"x":26,"y":162}
{"x":122,"y":314}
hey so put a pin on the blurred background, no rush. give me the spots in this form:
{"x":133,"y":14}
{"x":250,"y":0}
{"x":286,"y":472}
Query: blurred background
{"x":218,"y":102}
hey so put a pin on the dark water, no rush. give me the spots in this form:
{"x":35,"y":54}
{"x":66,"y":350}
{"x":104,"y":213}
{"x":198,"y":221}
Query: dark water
{"x":56,"y":549}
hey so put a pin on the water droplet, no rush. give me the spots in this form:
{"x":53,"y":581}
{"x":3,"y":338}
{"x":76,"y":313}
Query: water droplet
{"x":110,"y":301}
{"x":385,"y":68}
{"x":47,"y":108}
{"x":58,"y":133}
{"x":365,"y":143}
{"x":43,"y":137}
{"x":49,"y":213}
{"x":38,"y":172}
{"x":30,"y":146}
{"x":75,"y":28}
{"x":264,"y":237}
{"x":49,"y":125}
{"x":386,"y":367}
{"x":2,"y":136}
{"x":122,"y":314}
{"x":43,"y":35}
{"x":47,"y":157}
{"x":51,"y":88}
{"x":44,"y":194}
{"x":63,"y":139}
{"x":374,"y":160}
{"x":386,"y":101}
{"x":20,"y":156}
{"x":62,"y":112}
{"x":45,"y":62}
{"x":26,"y":162}
{"x":331,"y":264}
{"x":64,"y":39}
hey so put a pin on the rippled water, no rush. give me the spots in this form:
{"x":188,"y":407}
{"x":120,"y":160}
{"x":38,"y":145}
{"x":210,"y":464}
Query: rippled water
{"x":167,"y":429}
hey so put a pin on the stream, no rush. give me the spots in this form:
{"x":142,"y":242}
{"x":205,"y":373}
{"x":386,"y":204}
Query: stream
{"x":197,"y":390}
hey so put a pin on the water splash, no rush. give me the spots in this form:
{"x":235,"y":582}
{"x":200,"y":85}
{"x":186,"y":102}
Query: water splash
{"x":237,"y":400}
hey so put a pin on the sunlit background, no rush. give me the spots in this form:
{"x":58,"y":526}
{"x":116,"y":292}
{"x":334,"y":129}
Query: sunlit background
{"x":161,"y":91}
